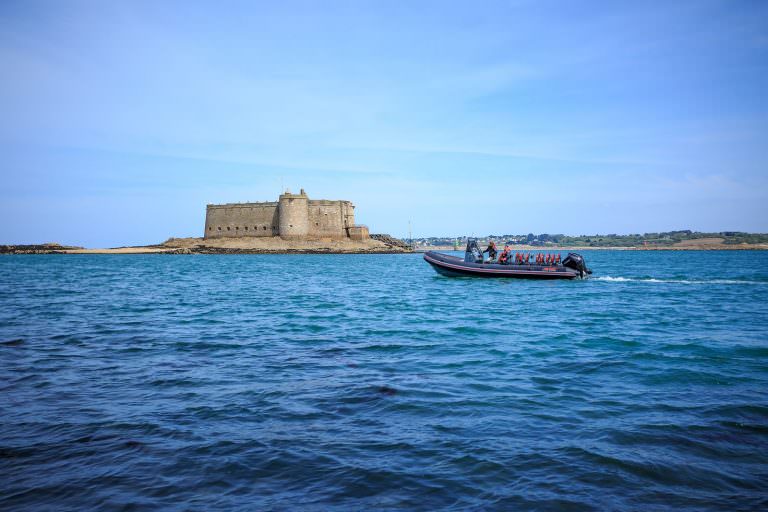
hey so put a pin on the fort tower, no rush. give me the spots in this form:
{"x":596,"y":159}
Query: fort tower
{"x":293,"y":212}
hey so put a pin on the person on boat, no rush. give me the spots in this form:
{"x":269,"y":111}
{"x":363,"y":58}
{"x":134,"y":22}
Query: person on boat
{"x":558,"y":259}
{"x":504,"y":256}
{"x":527,"y":258}
{"x":491,"y":250}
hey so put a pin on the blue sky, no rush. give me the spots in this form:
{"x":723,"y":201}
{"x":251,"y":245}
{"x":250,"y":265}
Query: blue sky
{"x":121,"y":120}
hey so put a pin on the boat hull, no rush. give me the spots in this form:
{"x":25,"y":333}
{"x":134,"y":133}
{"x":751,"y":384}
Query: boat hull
{"x":452,"y":266}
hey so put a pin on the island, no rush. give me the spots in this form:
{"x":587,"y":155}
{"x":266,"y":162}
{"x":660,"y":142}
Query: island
{"x":292,"y":224}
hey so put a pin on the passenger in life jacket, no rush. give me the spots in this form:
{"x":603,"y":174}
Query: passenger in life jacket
{"x":491,"y":250}
{"x":527,"y":258}
{"x":558,"y":259}
{"x":504,"y":256}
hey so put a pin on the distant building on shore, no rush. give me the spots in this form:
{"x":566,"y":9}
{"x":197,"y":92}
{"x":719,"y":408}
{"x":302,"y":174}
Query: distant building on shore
{"x":292,"y":217}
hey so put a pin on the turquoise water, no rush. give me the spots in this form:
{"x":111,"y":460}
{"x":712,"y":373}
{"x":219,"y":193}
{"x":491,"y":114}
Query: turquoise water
{"x":326,"y":382}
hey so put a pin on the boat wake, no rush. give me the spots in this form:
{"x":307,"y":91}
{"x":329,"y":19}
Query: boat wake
{"x":676,"y":281}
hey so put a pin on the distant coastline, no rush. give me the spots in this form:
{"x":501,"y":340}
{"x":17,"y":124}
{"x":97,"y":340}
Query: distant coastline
{"x":561,"y":248}
{"x":319,"y":247}
{"x":669,"y":240}
{"x":385,"y":244}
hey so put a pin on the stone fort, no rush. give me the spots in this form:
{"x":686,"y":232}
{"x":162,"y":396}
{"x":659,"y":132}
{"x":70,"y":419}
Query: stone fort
{"x":292,"y":217}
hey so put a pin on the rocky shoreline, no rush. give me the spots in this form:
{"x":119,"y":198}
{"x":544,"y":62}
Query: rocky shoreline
{"x":378,"y":244}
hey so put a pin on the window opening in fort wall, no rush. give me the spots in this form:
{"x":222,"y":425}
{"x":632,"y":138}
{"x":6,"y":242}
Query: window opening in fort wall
{"x":291,"y":217}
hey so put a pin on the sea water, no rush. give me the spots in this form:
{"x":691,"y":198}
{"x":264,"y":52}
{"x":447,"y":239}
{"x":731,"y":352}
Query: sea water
{"x":350,"y":382}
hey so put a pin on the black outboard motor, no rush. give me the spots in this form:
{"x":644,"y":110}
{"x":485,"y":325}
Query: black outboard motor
{"x":576,"y":262}
{"x":473,"y":253}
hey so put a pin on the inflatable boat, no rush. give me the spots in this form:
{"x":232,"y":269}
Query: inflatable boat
{"x":573,"y":266}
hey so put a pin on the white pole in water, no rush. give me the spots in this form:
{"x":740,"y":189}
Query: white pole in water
{"x":410,"y":237}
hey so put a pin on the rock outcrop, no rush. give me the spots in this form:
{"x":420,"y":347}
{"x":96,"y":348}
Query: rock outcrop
{"x":47,"y":248}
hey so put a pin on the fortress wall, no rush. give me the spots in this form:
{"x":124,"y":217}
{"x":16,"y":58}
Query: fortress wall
{"x":247,"y":219}
{"x":359,"y":233}
{"x":326,"y":219}
{"x":293,"y":216}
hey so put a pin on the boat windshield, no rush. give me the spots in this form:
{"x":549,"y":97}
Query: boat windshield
{"x":473,"y":253}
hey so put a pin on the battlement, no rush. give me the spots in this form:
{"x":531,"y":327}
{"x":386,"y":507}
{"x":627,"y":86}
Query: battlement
{"x":292,"y":216}
{"x":262,"y":204}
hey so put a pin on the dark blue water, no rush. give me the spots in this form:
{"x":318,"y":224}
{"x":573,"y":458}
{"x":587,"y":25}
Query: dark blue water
{"x":370,"y":382}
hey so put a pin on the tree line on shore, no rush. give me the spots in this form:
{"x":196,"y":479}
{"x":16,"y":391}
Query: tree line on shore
{"x":666,"y":238}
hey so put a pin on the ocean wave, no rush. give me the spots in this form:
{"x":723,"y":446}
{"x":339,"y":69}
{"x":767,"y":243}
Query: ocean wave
{"x":675,"y":281}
